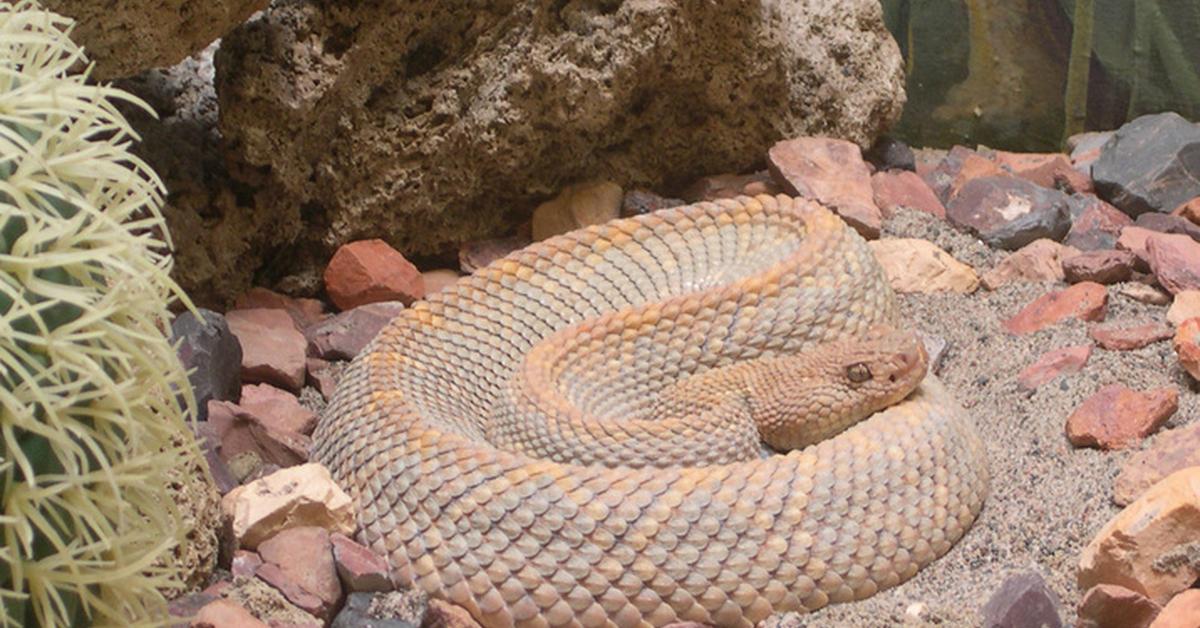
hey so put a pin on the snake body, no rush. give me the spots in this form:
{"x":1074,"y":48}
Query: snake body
{"x":626,"y":311}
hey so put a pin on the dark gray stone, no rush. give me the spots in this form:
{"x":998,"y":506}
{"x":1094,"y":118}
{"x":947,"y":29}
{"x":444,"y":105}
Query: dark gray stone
{"x":889,"y":153}
{"x":397,"y":609}
{"x":1008,"y":213}
{"x":212,"y":354}
{"x":1023,"y":601}
{"x":1151,"y":164}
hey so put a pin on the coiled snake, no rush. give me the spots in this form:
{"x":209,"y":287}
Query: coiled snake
{"x":620,"y":314}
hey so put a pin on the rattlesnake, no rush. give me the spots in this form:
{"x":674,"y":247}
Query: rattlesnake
{"x":632,"y":308}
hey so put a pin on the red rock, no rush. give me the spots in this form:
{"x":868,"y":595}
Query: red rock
{"x":1052,"y":364}
{"x":475,"y":255}
{"x":272,"y":347}
{"x":1085,"y":301}
{"x":304,"y":312}
{"x":894,"y":189}
{"x":1183,"y":611}
{"x":960,"y":166}
{"x":1097,"y":225}
{"x":829,"y":171}
{"x":439,"y":279}
{"x":245,"y":563}
{"x":1050,"y":170}
{"x":719,"y":186}
{"x":1171,"y":451}
{"x":1038,"y":261}
{"x":240,"y":431}
{"x":343,"y":336}
{"x":1189,"y":211}
{"x":1113,"y":606}
{"x":1133,"y":239}
{"x":299,"y":562}
{"x":1175,"y":261}
{"x":321,"y":376}
{"x":1125,"y":337}
{"x":359,"y":568}
{"x":1116,"y":417}
{"x":277,"y":409}
{"x":225,"y":614}
{"x":1187,"y":346}
{"x":1106,"y":267}
{"x":369,"y":271}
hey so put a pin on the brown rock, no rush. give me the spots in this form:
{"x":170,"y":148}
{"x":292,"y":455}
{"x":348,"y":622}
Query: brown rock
{"x":1149,"y":547}
{"x":1184,"y":305}
{"x":1096,"y":225}
{"x":960,"y":166}
{"x":303,"y":557}
{"x":1049,"y":170}
{"x":1084,"y":301}
{"x":344,"y":335}
{"x":277,"y":408}
{"x":1113,"y":606}
{"x":241,"y":432}
{"x":1008,"y":213}
{"x":369,"y":271}
{"x":1189,"y":211}
{"x":1052,"y":364}
{"x":304,"y":312}
{"x":475,"y":255}
{"x":577,"y":206}
{"x":1146,"y":294}
{"x":439,"y":279}
{"x":245,"y":563}
{"x":1116,"y":417}
{"x":1187,"y":346}
{"x":894,"y":189}
{"x":1106,"y":267}
{"x":225,"y":614}
{"x":1175,"y":261}
{"x":1125,"y":337}
{"x":1171,"y":451}
{"x":1133,"y":239}
{"x":443,"y":614}
{"x":1183,"y":611}
{"x":1167,"y":223}
{"x":359,"y":568}
{"x":915,"y":265}
{"x":299,"y":496}
{"x":322,"y":377}
{"x":272,"y":347}
{"x":829,"y":171}
{"x":1038,"y":261}
{"x":719,"y":186}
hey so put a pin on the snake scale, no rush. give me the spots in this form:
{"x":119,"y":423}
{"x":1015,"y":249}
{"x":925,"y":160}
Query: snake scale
{"x":630,"y":309}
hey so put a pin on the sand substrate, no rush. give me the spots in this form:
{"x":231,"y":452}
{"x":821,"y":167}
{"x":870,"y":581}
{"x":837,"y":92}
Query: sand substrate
{"x":1048,"y":499}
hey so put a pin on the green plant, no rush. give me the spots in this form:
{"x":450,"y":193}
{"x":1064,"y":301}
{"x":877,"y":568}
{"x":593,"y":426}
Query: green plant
{"x":88,"y":380}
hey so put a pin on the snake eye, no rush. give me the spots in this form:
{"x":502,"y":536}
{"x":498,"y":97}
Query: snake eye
{"x":858,"y":372}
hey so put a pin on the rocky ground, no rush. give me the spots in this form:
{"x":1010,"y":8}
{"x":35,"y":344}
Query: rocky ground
{"x":1059,"y":295}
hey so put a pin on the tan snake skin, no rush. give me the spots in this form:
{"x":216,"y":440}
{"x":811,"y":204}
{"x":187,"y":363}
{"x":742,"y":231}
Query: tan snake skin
{"x":644,"y":302}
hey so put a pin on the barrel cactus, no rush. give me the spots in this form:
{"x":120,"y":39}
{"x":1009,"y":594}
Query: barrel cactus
{"x":93,"y":399}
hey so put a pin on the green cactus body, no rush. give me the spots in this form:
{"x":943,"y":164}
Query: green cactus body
{"x":88,"y":408}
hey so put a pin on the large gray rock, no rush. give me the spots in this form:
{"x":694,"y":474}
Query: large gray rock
{"x":1151,"y":164}
{"x":212,"y":355}
{"x":125,"y":37}
{"x":430,"y":124}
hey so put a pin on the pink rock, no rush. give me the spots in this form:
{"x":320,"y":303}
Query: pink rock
{"x":718,"y":186}
{"x":1050,"y":170}
{"x":1101,"y":266}
{"x":245,"y":563}
{"x":299,"y":562}
{"x":1052,"y":364}
{"x":1126,"y":337}
{"x":831,"y":172}
{"x":1171,"y":451}
{"x":272,"y":347}
{"x":1184,"y":305}
{"x":894,"y":189}
{"x":475,"y":255}
{"x":1085,"y":301}
{"x":1097,"y":226}
{"x":224,"y":613}
{"x":960,"y":166}
{"x":1114,"y":606}
{"x":1183,"y":611}
{"x":304,"y":312}
{"x":359,"y":568}
{"x":240,"y":431}
{"x":321,"y":376}
{"x":1038,"y":261}
{"x":1187,"y":346}
{"x":1175,"y":261}
{"x":1133,"y":239}
{"x":1116,"y":417}
{"x":369,"y":271}
{"x":343,"y":336}
{"x":277,"y":409}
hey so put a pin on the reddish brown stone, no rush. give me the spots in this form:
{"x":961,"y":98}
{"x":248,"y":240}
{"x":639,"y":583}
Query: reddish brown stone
{"x":1085,"y":301}
{"x":1183,"y":611}
{"x":321,"y":376}
{"x":225,"y":614}
{"x":960,"y":166}
{"x":894,"y":189}
{"x":272,"y":347}
{"x":1116,"y":417}
{"x":277,"y":409}
{"x":299,"y":562}
{"x":343,"y":336}
{"x":1171,"y":451}
{"x":1050,"y":170}
{"x":1125,"y":337}
{"x":1175,"y":261}
{"x":1114,"y":606}
{"x":1133,"y":239}
{"x":369,"y":271}
{"x":1038,"y":261}
{"x":1167,"y":223}
{"x":475,"y":255}
{"x":1097,"y":225}
{"x":1189,"y":211}
{"x":359,"y":568}
{"x":1187,"y":346}
{"x":1106,"y":267}
{"x":240,"y":431}
{"x":829,"y":171}
{"x":245,"y":563}
{"x":304,"y":312}
{"x":1052,"y":364}
{"x":1008,"y":213}
{"x":443,"y":613}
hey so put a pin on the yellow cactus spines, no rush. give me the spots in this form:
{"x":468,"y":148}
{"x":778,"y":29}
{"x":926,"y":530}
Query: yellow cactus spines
{"x":91,"y":391}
